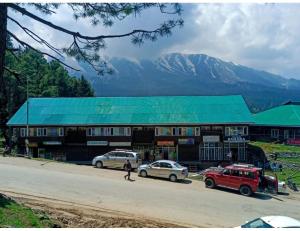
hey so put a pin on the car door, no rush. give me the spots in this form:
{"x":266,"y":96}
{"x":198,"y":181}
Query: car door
{"x":223,"y":178}
{"x":111,"y":160}
{"x":236,"y":179}
{"x":165,"y":169}
{"x":154,"y":169}
{"x":117,"y":159}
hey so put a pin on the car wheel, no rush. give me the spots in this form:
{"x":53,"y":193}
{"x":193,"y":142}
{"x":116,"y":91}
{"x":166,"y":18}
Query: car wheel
{"x":245,"y":190}
{"x":209,"y":183}
{"x":99,"y":164}
{"x":173,"y":178}
{"x":143,"y":173}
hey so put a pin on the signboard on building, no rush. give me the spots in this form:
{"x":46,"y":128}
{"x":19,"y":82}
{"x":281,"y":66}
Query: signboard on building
{"x":97,"y":143}
{"x":165,"y":143}
{"x":52,"y":142}
{"x":186,"y":141}
{"x":211,"y":139}
{"x":236,"y":139}
{"x":120,"y":144}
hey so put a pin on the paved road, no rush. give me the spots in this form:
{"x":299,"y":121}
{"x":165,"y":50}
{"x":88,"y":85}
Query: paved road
{"x":187,"y":203}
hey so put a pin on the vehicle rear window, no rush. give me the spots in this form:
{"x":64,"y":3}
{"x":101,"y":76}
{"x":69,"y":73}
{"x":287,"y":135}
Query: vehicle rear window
{"x":177,"y":165}
{"x":257,"y":223}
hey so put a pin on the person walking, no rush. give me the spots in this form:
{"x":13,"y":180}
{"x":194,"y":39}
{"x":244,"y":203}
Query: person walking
{"x":127,"y":166}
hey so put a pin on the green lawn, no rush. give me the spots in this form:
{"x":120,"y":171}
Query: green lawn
{"x":272,"y":147}
{"x":15,"y":215}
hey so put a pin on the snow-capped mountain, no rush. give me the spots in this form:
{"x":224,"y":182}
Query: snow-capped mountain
{"x":192,"y":74}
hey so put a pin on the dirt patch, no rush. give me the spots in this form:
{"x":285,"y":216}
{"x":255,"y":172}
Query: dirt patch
{"x":70,"y":215}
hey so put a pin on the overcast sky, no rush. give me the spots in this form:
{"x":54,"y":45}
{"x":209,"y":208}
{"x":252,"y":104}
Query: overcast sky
{"x":262,"y":36}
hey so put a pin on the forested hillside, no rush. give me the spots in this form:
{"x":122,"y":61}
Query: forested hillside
{"x":45,"y":79}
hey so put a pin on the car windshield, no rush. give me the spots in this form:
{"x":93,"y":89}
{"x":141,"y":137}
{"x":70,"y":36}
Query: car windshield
{"x":177,"y":165}
{"x":257,"y":223}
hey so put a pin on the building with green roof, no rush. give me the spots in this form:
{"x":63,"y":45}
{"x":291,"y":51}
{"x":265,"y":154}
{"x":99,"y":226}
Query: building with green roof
{"x":182,"y":128}
{"x":278,"y":123}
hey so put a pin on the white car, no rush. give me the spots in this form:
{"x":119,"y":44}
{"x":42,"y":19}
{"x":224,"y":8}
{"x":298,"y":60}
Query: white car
{"x":164,"y":169}
{"x":272,"y":222}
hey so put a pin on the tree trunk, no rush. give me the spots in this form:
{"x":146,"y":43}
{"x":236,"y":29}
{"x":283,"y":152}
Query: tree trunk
{"x":3,"y":92}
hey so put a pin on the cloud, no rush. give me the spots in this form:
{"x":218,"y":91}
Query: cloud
{"x":262,"y":36}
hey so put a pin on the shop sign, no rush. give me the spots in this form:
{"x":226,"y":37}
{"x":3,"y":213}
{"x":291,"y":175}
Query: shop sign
{"x":165,"y":143}
{"x":186,"y":141}
{"x":120,"y":144}
{"x":52,"y":142}
{"x":97,"y":143}
{"x":211,"y":138}
{"x":236,"y":139}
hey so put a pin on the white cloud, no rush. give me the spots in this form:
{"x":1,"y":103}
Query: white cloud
{"x":264,"y":36}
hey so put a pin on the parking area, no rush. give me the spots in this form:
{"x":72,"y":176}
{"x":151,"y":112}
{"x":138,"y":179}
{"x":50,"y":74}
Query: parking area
{"x":187,"y":202}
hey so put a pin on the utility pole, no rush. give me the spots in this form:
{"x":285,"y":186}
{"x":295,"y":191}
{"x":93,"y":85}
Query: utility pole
{"x":27,"y":120}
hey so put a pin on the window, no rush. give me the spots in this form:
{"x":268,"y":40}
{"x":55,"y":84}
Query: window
{"x":274,"y":133}
{"x":165,"y":165}
{"x":156,"y":131}
{"x":41,"y":131}
{"x":128,"y":131}
{"x":190,"y":131}
{"x":205,"y":128}
{"x":163,"y":131}
{"x":176,"y":131}
{"x":236,"y":131}
{"x":23,"y":132}
{"x":155,"y":164}
{"x":52,"y":131}
{"x":129,"y":155}
{"x":32,"y":132}
{"x":217,"y":128}
{"x":61,"y":131}
{"x":118,"y":131}
{"x":197,"y":131}
{"x":226,"y":172}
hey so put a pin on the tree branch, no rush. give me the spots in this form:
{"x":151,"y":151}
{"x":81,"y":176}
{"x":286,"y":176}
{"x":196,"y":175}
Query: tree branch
{"x":43,"y":53}
{"x":77,"y":34}
{"x":35,"y":37}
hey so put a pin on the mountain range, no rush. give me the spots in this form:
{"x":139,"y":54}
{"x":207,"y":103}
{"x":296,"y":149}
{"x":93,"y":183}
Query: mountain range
{"x":192,"y":74}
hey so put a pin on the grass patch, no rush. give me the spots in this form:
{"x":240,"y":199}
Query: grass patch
{"x":15,"y":215}
{"x":272,"y":147}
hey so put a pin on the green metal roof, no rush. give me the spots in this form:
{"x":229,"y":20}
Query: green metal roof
{"x":134,"y":110}
{"x":284,"y":115}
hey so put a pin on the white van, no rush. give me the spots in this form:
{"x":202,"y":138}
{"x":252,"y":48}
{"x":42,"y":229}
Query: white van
{"x":117,"y":159}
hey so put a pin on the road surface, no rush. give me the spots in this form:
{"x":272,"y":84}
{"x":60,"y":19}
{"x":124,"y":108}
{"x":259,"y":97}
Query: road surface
{"x":188,"y":203}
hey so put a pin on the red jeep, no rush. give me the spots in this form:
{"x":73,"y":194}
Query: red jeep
{"x":242,"y":177}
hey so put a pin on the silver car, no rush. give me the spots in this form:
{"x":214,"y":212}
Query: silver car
{"x":117,"y":159}
{"x":164,"y":169}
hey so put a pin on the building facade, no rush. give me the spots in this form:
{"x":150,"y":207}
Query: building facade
{"x":187,"y":129}
{"x":280,"y":123}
